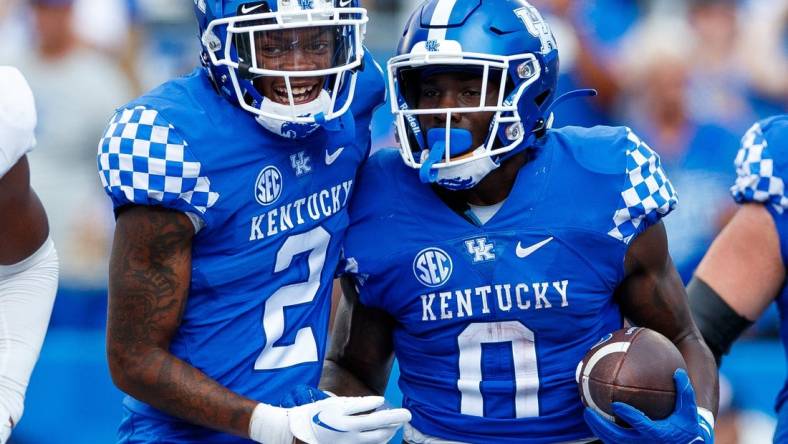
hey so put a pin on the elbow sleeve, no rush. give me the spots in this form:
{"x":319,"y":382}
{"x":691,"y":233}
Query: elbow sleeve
{"x":719,"y":324}
{"x":27,"y":294}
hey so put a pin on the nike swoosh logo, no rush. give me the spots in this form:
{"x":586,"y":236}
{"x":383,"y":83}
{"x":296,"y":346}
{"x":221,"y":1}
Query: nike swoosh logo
{"x":525,"y":252}
{"x":245,"y":10}
{"x":331,"y":158}
{"x":317,"y":421}
{"x":344,"y":3}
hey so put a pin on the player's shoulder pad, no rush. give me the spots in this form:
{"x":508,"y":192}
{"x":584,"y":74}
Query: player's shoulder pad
{"x":645,"y":194}
{"x":373,"y":180}
{"x":762,"y":164}
{"x":600,"y":149}
{"x":17,"y":118}
{"x":370,"y":92}
{"x":371,"y":201}
{"x":383,"y":159}
{"x":144,"y":160}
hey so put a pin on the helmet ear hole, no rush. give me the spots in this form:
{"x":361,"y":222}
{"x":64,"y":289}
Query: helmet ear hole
{"x":540,"y":99}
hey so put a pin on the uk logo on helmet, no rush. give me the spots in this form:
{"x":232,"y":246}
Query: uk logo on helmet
{"x":432,"y":45}
{"x":537,"y":27}
{"x":268,"y":187}
{"x":432,"y":267}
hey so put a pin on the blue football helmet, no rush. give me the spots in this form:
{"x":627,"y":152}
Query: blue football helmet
{"x":500,"y":40}
{"x":292,"y":63}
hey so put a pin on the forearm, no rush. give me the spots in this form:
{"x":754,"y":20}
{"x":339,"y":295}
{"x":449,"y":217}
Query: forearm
{"x":167,"y":383}
{"x":653,"y":296}
{"x":150,"y":276}
{"x":340,"y":381}
{"x":702,"y":371}
{"x":361,"y":351}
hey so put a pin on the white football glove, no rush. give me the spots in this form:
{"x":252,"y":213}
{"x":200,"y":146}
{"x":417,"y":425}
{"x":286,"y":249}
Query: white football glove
{"x":335,"y":420}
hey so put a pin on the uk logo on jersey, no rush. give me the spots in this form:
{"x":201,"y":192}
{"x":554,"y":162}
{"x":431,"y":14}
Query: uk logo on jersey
{"x":432,"y":267}
{"x":268,"y":187}
{"x":300,"y":163}
{"x":481,"y":250}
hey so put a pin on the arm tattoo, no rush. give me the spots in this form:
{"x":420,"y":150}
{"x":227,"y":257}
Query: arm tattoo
{"x":150,"y":273}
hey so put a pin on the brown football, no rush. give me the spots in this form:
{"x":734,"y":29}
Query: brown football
{"x":633,"y":365}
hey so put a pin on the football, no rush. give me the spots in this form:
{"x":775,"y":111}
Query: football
{"x":633,"y":365}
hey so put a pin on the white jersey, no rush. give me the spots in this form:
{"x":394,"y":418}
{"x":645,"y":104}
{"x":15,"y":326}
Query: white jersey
{"x":17,"y":118}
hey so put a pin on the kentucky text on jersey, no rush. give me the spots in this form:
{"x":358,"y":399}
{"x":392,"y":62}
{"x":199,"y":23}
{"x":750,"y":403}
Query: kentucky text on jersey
{"x":492,"y":320}
{"x":316,"y":206}
{"x":272,"y":215}
{"x":519,"y":296}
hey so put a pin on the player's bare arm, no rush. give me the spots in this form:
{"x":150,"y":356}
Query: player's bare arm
{"x":361,"y":352}
{"x":746,"y":278}
{"x":652,"y":295}
{"x":150,"y":271}
{"x":28,"y":260}
{"x":27,"y":225}
{"x":739,"y":277}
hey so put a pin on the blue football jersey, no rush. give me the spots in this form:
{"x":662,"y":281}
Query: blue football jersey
{"x":492,"y":320}
{"x":273,"y":213}
{"x":762,"y":172}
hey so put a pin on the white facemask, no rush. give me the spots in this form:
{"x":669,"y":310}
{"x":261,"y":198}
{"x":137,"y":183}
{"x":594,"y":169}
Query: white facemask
{"x":293,"y":130}
{"x":466,"y":175}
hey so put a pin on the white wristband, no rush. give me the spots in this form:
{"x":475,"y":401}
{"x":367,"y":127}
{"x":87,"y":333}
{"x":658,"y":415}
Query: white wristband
{"x":707,"y":415}
{"x":270,"y":425}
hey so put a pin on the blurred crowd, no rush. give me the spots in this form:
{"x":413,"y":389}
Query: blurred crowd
{"x":688,"y":76}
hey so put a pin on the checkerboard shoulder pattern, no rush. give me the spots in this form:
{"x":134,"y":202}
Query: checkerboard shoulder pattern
{"x":648,"y":195}
{"x":143,"y":160}
{"x":756,"y":180}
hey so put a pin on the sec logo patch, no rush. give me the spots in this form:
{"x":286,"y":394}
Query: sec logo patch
{"x":432,"y":267}
{"x":268,"y":187}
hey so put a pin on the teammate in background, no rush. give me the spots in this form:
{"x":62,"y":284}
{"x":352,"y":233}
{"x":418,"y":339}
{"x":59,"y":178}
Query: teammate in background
{"x":28,"y":260}
{"x":230,"y":189}
{"x":744,"y":269}
{"x":511,"y":251}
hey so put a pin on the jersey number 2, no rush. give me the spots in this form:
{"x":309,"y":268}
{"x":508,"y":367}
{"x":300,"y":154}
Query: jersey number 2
{"x":304,"y":349}
{"x":526,"y":374}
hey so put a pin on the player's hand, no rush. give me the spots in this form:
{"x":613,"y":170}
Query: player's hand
{"x":340,"y":420}
{"x":334,"y":420}
{"x":683,"y":426}
{"x":302,"y":394}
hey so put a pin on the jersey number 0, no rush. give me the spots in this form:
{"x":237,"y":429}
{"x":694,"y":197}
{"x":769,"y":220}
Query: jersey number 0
{"x":526,"y":373}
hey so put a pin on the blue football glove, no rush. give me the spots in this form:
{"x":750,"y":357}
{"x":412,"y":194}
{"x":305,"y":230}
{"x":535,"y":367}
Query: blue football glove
{"x":685,"y":425}
{"x":302,"y":394}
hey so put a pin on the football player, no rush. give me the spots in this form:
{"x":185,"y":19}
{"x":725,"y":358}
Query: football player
{"x":744,"y":269}
{"x":28,"y":260}
{"x":510,"y":248}
{"x":230,"y":188}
